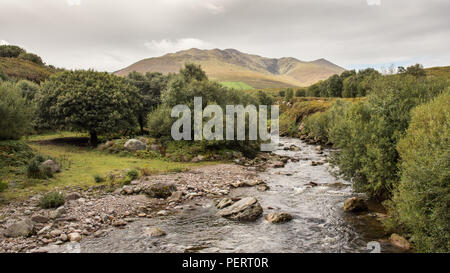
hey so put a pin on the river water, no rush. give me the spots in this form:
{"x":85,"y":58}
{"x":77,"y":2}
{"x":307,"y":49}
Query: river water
{"x":319,"y":223}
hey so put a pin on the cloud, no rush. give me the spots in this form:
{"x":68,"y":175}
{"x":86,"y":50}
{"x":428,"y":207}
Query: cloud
{"x":374,"y":2}
{"x":169,"y":46}
{"x":73,"y":2}
{"x":3,"y":42}
{"x":215,"y":8}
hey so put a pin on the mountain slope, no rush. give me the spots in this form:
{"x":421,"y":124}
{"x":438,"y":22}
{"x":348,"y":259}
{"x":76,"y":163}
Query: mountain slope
{"x":231,"y":65}
{"x":22,"y":69}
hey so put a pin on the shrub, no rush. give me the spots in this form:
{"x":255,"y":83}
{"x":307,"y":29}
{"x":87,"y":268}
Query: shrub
{"x":3,"y":185}
{"x":31,"y":57}
{"x":300,"y":92}
{"x":52,"y":200}
{"x":422,"y":201}
{"x":367,"y":136}
{"x":35,"y":171}
{"x":133,"y":174}
{"x":98,"y":178}
{"x":10,"y":51}
{"x":15,"y":114}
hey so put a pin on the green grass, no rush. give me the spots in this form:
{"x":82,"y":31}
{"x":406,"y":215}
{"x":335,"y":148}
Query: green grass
{"x":80,"y":165}
{"x":22,"y":69}
{"x":237,"y":85}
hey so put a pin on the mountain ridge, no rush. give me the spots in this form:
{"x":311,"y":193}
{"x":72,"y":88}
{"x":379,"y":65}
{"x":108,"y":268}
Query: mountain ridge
{"x":233,"y":65}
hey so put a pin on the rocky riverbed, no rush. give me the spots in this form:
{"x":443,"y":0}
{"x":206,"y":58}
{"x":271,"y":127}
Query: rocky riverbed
{"x":286,"y":202}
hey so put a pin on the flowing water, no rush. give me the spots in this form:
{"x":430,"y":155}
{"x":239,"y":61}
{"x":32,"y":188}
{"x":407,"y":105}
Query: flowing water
{"x":319,"y":223}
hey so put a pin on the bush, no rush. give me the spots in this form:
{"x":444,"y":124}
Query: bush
{"x":367,"y":136}
{"x":98,"y":178}
{"x":35,"y":171}
{"x":31,"y":57}
{"x":3,"y":185}
{"x":15,"y":114}
{"x":52,"y":200}
{"x":300,"y":92}
{"x":133,"y":174}
{"x":422,"y":201}
{"x":10,"y":51}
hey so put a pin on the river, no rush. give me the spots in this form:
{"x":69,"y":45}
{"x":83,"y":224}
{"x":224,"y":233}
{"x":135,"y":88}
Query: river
{"x":319,"y":224}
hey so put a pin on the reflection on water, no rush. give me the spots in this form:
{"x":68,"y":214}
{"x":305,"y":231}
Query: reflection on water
{"x":319,"y":223}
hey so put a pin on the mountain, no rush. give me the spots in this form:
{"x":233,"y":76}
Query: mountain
{"x":231,"y":65}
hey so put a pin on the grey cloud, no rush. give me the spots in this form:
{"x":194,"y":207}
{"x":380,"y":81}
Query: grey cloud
{"x":111,"y":34}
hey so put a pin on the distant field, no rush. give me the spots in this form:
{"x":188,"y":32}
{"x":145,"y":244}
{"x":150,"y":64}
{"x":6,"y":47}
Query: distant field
{"x":237,"y":85}
{"x":440,"y":71}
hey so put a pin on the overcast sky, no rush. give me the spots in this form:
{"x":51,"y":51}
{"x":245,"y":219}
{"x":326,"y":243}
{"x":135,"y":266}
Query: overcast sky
{"x":111,"y":34}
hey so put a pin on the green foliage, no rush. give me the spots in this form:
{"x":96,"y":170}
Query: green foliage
{"x":366,"y":135}
{"x":28,"y":89}
{"x":15,"y":114}
{"x":149,"y":87}
{"x":99,"y":179}
{"x":88,"y":101}
{"x":289,"y":93}
{"x":3,"y":76}
{"x":133,"y":174}
{"x":282,"y":93}
{"x":421,"y":202}
{"x":3,"y":185}
{"x":10,"y":51}
{"x":192,"y":72}
{"x":31,"y":57}
{"x":300,"y":92}
{"x":18,"y":69}
{"x":35,"y":171}
{"x":52,"y":200}
{"x":416,"y":70}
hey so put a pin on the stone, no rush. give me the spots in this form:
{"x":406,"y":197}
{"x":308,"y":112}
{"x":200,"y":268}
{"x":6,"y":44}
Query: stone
{"x":44,"y":230}
{"x":278,"y":217}
{"x":57,"y":213}
{"x":134,"y":145}
{"x":159,"y":190}
{"x":355,"y":204}
{"x":50,"y":164}
{"x":119,"y":223}
{"x":127,"y":190}
{"x":154,"y":232}
{"x":313,"y":184}
{"x":162,"y":213}
{"x":73,"y":196}
{"x":55,"y":233}
{"x":155,"y":148}
{"x":74,"y":237}
{"x":246,"y":209}
{"x":319,"y":148}
{"x":176,"y":196}
{"x":399,"y":241}
{"x":63,"y":237}
{"x":22,"y":228}
{"x":225,"y":202}
{"x":277,"y":164}
{"x":263,"y":187}
{"x":39,"y":219}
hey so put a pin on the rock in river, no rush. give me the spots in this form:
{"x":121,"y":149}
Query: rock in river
{"x":159,"y":190}
{"x":247,"y":209}
{"x":154,"y":232}
{"x":355,"y":204}
{"x":278,"y":217}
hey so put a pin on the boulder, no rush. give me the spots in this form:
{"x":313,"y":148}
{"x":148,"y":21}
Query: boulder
{"x":39,"y":219}
{"x":155,"y":148}
{"x":278,"y":217}
{"x":159,"y":190}
{"x":50,"y":164}
{"x":355,"y":204}
{"x":400,"y":242}
{"x":73,"y":196}
{"x":263,"y":187}
{"x":134,"y":145}
{"x":22,"y":228}
{"x":246,"y":209}
{"x":57,"y":213}
{"x":154,"y":232}
{"x":74,"y":237}
{"x":319,"y":148}
{"x":225,"y":202}
{"x":176,"y":196}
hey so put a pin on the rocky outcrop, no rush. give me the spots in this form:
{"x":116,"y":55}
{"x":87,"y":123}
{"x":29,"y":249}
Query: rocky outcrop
{"x":355,"y":204}
{"x":134,"y":145}
{"x":278,"y":217}
{"x":246,"y":209}
{"x":225,"y":202}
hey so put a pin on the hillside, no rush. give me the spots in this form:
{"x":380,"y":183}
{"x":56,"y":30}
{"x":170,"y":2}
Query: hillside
{"x":22,"y":69}
{"x":439,"y":71}
{"x":231,"y":65}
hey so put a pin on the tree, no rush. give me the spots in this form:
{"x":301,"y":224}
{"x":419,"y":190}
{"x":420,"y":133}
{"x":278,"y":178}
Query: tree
{"x":282,"y":93}
{"x":289,"y":93}
{"x":88,"y":101}
{"x":416,"y":71}
{"x":28,"y":89}
{"x":14,"y":112}
{"x":300,"y":92}
{"x":192,"y":71}
{"x":149,"y":87}
{"x":10,"y":51}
